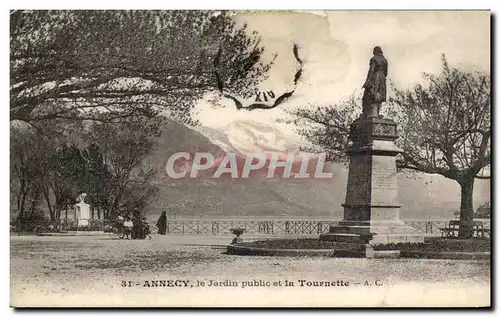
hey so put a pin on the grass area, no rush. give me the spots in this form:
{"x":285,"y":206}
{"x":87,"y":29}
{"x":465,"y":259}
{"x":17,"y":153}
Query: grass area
{"x":440,"y":245}
{"x":300,"y":244}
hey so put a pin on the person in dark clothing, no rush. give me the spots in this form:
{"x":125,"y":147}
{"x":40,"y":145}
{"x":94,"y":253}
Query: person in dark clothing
{"x":141,"y":228}
{"x":136,"y":230}
{"x":147,"y":230}
{"x":162,"y":224}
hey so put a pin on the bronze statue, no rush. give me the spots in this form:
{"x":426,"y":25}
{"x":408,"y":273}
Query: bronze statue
{"x":375,"y":87}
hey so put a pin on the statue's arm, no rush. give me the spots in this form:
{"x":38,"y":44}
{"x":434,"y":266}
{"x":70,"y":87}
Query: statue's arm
{"x":370,"y":73}
{"x":386,"y":68}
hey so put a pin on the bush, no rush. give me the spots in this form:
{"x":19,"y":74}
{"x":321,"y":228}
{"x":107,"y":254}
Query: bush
{"x":34,"y":222}
{"x":302,"y":243}
{"x":482,"y":213}
{"x":438,"y":245}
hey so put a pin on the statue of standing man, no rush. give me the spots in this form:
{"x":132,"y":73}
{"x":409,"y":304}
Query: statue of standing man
{"x":375,"y":87}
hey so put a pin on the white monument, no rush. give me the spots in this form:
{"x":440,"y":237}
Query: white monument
{"x":82,"y":211}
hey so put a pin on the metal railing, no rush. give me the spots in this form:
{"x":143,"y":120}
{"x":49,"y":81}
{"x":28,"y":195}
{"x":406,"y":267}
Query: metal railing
{"x":285,"y":227}
{"x":270,"y":227}
{"x":215,"y":227}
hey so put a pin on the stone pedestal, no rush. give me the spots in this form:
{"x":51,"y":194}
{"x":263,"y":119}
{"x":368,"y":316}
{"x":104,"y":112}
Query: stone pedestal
{"x":82,"y":214}
{"x":371,"y":206}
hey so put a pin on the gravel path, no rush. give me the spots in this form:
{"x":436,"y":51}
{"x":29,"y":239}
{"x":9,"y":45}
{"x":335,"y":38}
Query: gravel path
{"x":89,"y":271}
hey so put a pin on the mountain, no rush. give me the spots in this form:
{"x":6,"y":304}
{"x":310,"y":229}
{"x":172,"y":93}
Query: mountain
{"x":421,"y":197}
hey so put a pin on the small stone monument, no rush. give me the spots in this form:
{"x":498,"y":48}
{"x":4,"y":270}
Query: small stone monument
{"x":82,"y":211}
{"x":371,"y":208}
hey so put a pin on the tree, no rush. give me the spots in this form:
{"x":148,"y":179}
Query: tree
{"x":95,"y":180}
{"x":39,"y":168}
{"x":29,"y":166}
{"x":60,"y":187}
{"x":107,"y":65}
{"x":444,"y":128}
{"x":123,"y":147}
{"x":50,"y":168}
{"x":23,"y":169}
{"x":72,"y":171}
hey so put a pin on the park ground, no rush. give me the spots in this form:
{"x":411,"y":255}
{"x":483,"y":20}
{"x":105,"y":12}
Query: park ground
{"x":89,"y":271}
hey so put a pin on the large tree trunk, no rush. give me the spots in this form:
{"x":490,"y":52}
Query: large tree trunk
{"x":58,"y":211}
{"x":22,"y":206}
{"x":46,"y":194}
{"x":466,"y":208}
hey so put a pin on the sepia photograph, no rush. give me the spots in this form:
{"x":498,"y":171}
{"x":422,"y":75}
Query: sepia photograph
{"x":230,"y":158}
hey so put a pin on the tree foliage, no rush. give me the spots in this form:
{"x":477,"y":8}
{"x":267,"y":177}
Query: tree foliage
{"x":446,"y":126}
{"x":106,"y":65}
{"x":124,"y":147}
{"x":326,"y":128}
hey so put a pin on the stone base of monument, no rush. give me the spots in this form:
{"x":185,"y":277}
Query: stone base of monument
{"x":377,"y":235}
{"x":372,"y":209}
{"x":373,"y":232}
{"x":83,"y":222}
{"x":82,"y":214}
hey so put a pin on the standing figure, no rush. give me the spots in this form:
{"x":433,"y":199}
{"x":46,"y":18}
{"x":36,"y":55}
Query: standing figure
{"x":120,"y":227}
{"x":128,"y":226}
{"x":147,"y":229}
{"x":136,"y":231}
{"x":162,"y":224}
{"x":375,"y":86}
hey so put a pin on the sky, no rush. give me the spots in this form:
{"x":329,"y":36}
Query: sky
{"x":336,"y":47}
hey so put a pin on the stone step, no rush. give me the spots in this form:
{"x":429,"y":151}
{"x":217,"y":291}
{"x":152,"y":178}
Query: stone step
{"x":346,"y":234}
{"x":367,"y":229}
{"x":349,"y":229}
{"x":342,"y":237}
{"x":397,"y":238}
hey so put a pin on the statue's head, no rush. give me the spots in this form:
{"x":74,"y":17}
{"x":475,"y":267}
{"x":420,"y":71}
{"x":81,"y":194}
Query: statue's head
{"x":377,"y":50}
{"x":81,"y":198}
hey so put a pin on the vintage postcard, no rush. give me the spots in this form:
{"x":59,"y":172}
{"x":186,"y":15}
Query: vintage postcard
{"x":250,"y":158}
